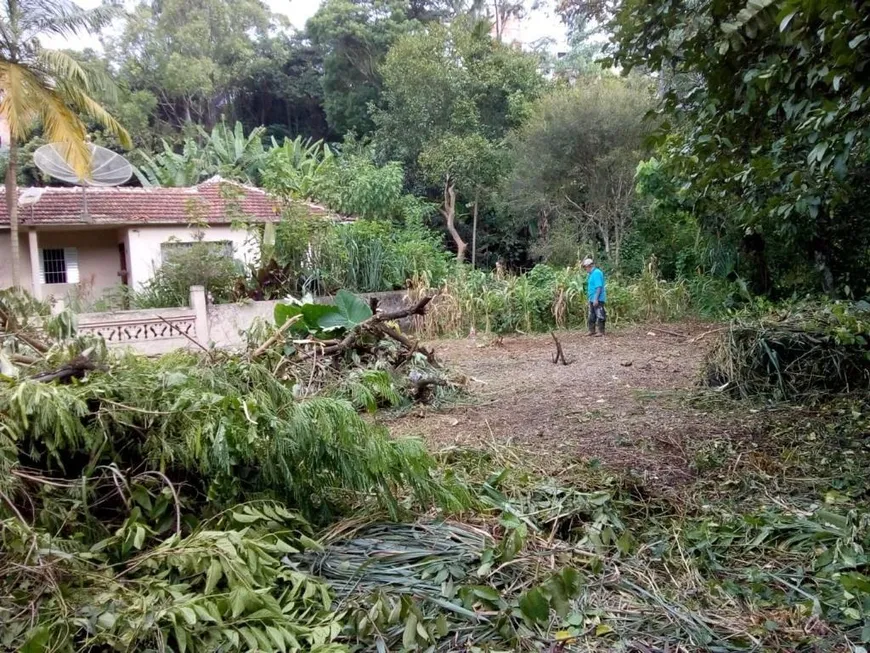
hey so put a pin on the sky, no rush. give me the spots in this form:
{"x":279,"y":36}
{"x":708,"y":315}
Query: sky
{"x":542,"y":23}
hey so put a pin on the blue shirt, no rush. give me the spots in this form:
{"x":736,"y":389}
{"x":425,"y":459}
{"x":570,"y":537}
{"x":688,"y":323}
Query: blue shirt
{"x":593,"y":283}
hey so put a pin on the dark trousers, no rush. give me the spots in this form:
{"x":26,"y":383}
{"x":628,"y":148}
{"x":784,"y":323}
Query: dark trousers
{"x":597,"y":316}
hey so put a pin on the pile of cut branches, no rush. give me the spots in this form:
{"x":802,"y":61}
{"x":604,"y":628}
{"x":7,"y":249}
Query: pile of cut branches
{"x":145,"y":503}
{"x":334,"y":345}
{"x":806,"y":352}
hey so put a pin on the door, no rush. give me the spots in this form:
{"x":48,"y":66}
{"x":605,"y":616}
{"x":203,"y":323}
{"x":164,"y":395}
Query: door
{"x":122,"y":273}
{"x":122,"y":253}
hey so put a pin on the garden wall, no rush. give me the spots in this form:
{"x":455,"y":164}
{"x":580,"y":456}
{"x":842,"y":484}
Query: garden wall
{"x":160,"y":330}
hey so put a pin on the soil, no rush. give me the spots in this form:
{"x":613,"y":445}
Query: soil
{"x":628,"y":400}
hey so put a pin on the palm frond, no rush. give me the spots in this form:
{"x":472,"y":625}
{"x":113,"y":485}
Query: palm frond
{"x":59,"y":65}
{"x":79,"y":99}
{"x":64,"y":17}
{"x":17,"y":104}
{"x":62,"y":125}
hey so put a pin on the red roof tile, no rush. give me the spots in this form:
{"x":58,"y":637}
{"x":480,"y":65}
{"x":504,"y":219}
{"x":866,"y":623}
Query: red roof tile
{"x":215,"y":201}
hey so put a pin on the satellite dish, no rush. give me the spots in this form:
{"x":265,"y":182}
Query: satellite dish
{"x":106,"y":169}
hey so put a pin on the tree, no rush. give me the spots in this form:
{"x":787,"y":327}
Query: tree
{"x":574,"y":161}
{"x":467,"y":164}
{"x":283,"y":89}
{"x":451,"y":93}
{"x":49,"y":87}
{"x":353,"y":37}
{"x":771,"y":142}
{"x":192,"y":55}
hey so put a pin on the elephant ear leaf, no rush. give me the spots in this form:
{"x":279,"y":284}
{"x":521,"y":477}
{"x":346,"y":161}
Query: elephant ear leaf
{"x":350,"y":311}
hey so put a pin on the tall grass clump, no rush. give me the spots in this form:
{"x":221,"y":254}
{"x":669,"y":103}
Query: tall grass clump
{"x":545,"y":298}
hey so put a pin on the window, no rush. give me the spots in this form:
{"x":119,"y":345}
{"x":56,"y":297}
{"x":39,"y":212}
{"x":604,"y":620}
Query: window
{"x":60,"y":265}
{"x":221,"y":247}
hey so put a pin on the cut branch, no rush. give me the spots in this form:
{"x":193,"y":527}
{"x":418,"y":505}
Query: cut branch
{"x":559,"y":356}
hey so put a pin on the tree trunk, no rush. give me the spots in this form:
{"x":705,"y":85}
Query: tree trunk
{"x":474,"y":234}
{"x":449,"y":212}
{"x":12,"y":210}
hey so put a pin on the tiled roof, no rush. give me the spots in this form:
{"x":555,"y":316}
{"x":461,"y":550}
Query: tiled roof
{"x":215,"y":201}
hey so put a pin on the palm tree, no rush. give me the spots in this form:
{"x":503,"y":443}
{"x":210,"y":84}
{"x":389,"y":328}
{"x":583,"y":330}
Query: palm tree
{"x":48,"y":87}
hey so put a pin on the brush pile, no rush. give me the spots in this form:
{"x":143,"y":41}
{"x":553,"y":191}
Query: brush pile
{"x":145,"y":503}
{"x":319,"y":345}
{"x":806,"y":352}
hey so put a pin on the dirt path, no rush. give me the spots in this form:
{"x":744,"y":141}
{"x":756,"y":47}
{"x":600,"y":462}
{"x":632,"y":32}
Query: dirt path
{"x":622,"y":400}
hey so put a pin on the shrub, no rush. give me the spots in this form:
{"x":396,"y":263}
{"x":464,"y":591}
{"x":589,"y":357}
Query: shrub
{"x":320,"y":256}
{"x":201,"y":264}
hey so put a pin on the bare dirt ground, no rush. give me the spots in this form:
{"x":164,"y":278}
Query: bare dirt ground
{"x":623,"y":400}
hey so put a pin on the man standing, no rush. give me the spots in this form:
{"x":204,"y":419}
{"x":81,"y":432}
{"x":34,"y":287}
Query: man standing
{"x":597,"y":295}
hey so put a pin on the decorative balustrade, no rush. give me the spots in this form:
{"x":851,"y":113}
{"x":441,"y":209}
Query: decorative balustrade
{"x":138,"y":329}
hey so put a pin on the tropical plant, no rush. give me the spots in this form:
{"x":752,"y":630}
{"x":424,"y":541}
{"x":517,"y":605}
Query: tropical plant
{"x":295,"y":168}
{"x":49,"y":87}
{"x":224,"y":151}
{"x":174,"y":169}
{"x":232,"y":154}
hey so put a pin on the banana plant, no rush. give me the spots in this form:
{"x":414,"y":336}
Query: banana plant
{"x":233,"y":154}
{"x":296,"y":167}
{"x":173,"y":169}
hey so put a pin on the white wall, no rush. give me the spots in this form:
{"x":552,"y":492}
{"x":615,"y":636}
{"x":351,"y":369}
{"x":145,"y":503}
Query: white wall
{"x":143,"y":246}
{"x":6,"y":260}
{"x":99,"y":262}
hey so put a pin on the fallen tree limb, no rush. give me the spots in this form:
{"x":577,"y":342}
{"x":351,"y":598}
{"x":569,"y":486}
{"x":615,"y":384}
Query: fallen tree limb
{"x":275,"y":336}
{"x":74,"y":369}
{"x":670,"y":333}
{"x":417,"y":309}
{"x":410,"y":344}
{"x":376,"y":325}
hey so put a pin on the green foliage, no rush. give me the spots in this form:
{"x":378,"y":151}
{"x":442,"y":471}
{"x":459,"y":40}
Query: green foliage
{"x":346,"y":312}
{"x":356,"y":186}
{"x":295,"y":169}
{"x":201,"y":263}
{"x":770,"y":141}
{"x":192,"y":58}
{"x":224,"y":151}
{"x":229,"y":428}
{"x":573,"y":165}
{"x":362,"y":256}
{"x":354,"y":36}
{"x":546,"y":298}
{"x":220,"y":587}
{"x":452,"y":80}
{"x":174,"y":169}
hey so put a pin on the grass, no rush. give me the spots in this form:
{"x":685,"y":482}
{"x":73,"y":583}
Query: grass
{"x":764,"y":549}
{"x":546,"y":298}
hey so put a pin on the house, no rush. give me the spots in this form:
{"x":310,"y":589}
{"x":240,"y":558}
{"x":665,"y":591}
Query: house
{"x":85,"y":242}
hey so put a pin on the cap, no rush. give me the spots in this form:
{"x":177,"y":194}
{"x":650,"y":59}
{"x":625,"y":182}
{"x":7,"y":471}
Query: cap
{"x":587,"y":261}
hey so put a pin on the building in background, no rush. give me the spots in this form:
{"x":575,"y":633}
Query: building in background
{"x":125,"y":233}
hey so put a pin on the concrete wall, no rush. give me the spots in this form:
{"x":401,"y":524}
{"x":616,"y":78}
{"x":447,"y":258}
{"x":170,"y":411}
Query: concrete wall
{"x":153,"y":331}
{"x":145,"y":255}
{"x":159,"y":330}
{"x":6,"y":260}
{"x":226,"y":321}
